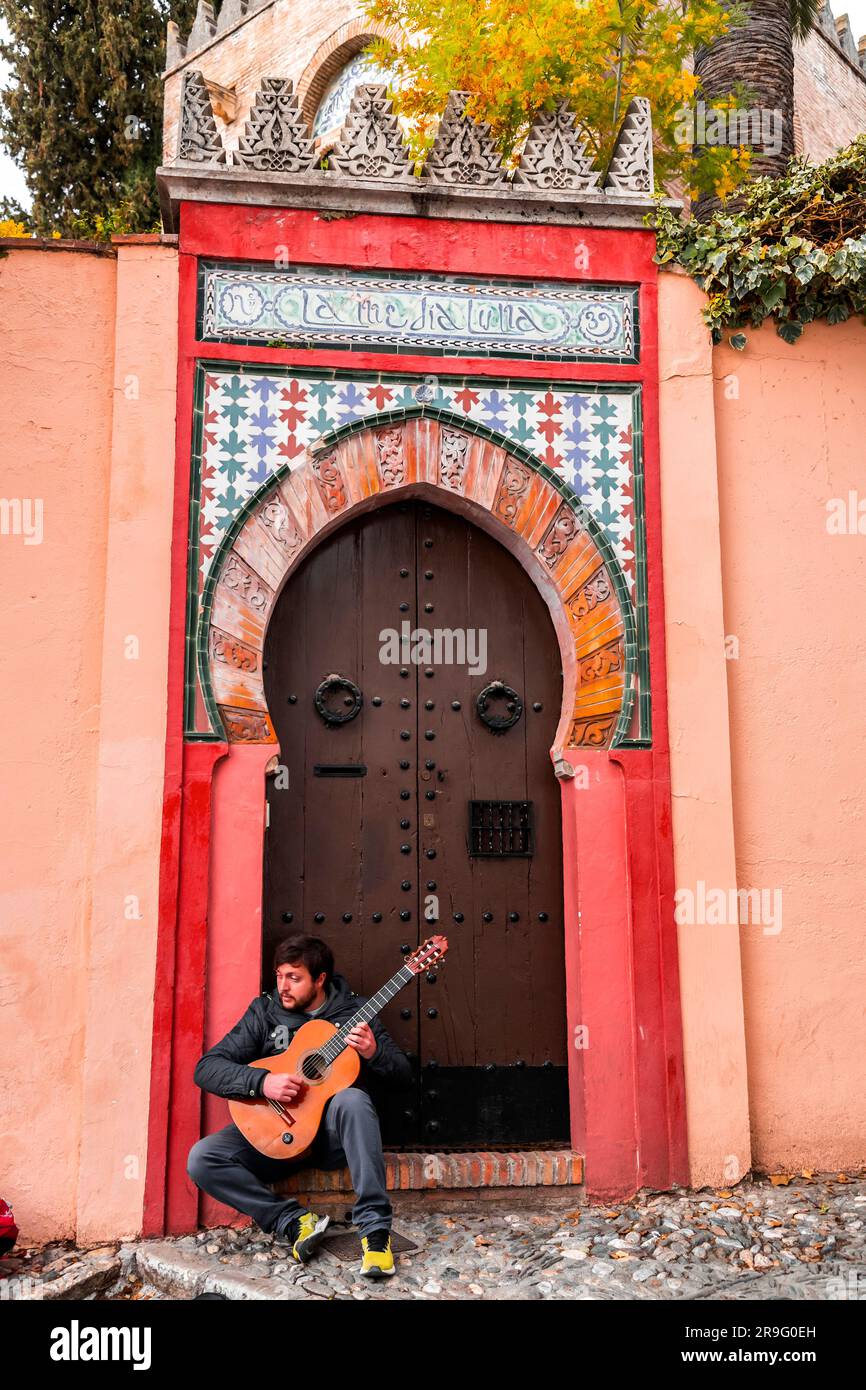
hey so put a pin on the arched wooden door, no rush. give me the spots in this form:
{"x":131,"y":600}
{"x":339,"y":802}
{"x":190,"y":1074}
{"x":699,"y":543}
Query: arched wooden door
{"x":415,"y":800}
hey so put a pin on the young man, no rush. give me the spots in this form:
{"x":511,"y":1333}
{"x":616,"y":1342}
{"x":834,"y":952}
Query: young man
{"x":228,"y":1167}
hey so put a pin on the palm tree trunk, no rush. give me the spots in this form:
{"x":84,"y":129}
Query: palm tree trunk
{"x":760,"y":55}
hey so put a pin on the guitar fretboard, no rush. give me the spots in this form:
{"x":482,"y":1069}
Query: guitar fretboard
{"x":373,"y":1006}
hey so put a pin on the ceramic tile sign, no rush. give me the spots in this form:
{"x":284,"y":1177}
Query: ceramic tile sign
{"x":440,"y":315}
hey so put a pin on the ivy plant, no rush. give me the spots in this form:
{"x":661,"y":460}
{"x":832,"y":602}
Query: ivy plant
{"x":794,"y":249}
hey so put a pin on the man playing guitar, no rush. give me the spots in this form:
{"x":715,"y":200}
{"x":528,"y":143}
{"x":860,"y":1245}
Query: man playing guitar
{"x":230,"y":1168}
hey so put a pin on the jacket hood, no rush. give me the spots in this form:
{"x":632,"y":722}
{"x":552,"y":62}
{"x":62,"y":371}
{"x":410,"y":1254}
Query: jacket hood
{"x":339,"y":996}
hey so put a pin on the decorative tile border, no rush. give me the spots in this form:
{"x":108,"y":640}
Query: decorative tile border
{"x":436,"y":315}
{"x":252,"y":423}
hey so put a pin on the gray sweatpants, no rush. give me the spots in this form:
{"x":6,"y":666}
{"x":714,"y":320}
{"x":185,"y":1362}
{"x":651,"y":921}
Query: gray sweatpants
{"x":228,"y":1167}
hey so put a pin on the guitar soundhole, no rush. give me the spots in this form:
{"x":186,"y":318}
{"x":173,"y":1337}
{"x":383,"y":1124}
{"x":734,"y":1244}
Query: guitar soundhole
{"x":314,"y":1067}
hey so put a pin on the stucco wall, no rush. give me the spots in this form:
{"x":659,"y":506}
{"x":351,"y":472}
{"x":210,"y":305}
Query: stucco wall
{"x":789,"y":429}
{"x":55,"y":394}
{"x":790,"y":442}
{"x":768,"y":754}
{"x":88,"y":398}
{"x":714,"y":1046}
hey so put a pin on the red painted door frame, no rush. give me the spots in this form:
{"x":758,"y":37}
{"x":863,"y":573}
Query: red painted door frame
{"x":627,"y":1094}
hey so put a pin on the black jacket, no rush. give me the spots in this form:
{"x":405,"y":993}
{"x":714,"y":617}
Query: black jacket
{"x":223,"y":1072}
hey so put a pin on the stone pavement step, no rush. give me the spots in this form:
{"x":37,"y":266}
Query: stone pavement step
{"x":181,"y":1274}
{"x":450,"y":1174}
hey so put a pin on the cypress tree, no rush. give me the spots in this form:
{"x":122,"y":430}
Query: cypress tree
{"x":82,"y":113}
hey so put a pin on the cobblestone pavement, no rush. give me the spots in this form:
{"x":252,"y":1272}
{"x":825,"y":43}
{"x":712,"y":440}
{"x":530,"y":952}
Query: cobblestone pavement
{"x":797,"y":1239}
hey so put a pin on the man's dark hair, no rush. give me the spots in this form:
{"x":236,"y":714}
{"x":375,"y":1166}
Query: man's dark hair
{"x":315,"y":954}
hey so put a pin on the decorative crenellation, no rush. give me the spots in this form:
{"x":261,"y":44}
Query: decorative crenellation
{"x":199,"y":140}
{"x":555,"y":154}
{"x":631,"y":164}
{"x":370,"y":146}
{"x":275,"y":136}
{"x":463,"y":151}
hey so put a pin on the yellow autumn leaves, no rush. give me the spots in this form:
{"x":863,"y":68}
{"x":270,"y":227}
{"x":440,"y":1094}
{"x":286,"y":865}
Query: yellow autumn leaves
{"x":515,"y":56}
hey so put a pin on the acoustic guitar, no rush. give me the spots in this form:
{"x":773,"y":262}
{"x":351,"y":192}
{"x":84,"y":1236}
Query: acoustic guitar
{"x":320,"y":1054}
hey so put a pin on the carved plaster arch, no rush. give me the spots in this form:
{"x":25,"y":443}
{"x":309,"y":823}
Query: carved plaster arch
{"x":433,"y":455}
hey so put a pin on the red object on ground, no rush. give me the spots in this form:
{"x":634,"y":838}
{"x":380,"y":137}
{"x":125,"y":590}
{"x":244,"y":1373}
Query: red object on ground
{"x":8,"y":1229}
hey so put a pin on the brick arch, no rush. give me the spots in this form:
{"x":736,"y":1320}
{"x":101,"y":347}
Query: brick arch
{"x":332,"y":55}
{"x":433,"y":456}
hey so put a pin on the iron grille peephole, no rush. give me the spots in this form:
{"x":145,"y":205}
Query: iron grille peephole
{"x":500,"y":829}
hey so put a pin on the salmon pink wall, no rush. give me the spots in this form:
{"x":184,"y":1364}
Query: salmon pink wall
{"x":88,"y":399}
{"x":122,"y":948}
{"x":790,"y":431}
{"x":55,"y":394}
{"x":766,"y":659}
{"x":703,"y":832}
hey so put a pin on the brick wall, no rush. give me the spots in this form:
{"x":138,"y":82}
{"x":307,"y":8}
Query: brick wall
{"x":284,"y":38}
{"x":309,"y":43}
{"x":829,"y":98}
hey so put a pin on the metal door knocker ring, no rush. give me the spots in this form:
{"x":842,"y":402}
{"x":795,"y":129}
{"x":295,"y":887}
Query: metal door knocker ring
{"x":514,"y":705}
{"x":329,"y":686}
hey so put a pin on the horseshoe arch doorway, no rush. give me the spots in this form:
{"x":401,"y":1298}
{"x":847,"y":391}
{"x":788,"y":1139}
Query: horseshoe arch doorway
{"x":410,"y":808}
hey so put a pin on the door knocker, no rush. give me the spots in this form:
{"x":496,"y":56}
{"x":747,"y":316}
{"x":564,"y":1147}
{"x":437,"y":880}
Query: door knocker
{"x":353,"y":700}
{"x":498,"y":690}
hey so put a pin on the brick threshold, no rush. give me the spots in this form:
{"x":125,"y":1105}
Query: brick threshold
{"x":433,"y":1171}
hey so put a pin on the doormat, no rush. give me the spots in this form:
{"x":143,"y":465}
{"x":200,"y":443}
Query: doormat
{"x":348,"y":1247}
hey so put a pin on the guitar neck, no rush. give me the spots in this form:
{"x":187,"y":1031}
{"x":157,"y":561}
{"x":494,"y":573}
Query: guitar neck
{"x":373,"y":1006}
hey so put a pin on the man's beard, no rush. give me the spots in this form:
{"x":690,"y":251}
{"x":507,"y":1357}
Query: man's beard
{"x":302,"y":1002}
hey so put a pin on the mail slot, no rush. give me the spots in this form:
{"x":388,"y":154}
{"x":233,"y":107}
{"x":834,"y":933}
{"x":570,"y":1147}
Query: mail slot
{"x":339,"y":770}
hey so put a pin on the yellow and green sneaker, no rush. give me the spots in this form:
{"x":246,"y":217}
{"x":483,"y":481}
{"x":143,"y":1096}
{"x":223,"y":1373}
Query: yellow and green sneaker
{"x":378,"y":1262}
{"x":306,"y":1232}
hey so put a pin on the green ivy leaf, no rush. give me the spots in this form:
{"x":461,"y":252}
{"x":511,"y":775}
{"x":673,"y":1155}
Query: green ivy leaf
{"x":790,"y":332}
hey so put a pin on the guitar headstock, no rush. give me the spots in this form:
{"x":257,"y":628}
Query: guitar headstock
{"x":429,"y":955}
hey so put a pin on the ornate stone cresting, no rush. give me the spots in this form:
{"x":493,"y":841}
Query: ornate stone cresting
{"x":463,"y":151}
{"x":275,"y":136}
{"x":554,"y":155}
{"x":370,"y":145}
{"x":199,"y":140}
{"x":631,"y":164}
{"x":370,"y":167}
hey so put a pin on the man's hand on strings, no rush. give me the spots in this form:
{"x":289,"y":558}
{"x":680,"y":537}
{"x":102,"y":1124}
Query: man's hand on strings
{"x":283,"y":1088}
{"x":363,"y":1039}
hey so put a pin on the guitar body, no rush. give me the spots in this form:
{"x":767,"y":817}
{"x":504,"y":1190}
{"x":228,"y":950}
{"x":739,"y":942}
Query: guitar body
{"x":288,"y":1130}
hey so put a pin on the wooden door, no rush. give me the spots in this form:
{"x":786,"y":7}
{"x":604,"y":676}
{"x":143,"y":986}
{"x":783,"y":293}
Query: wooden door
{"x":406,"y":813}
